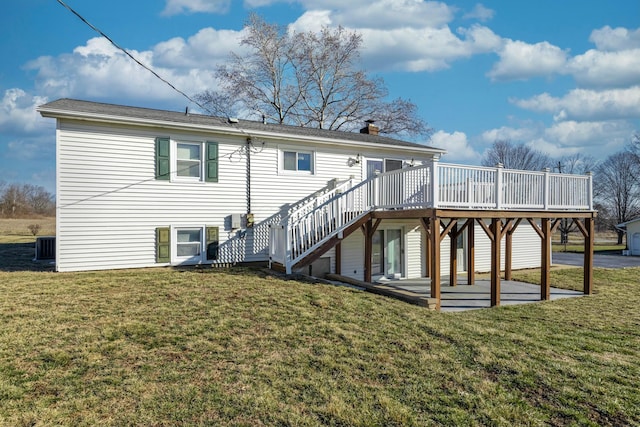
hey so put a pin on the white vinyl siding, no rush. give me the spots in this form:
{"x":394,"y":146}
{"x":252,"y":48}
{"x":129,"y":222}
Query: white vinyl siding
{"x":527,"y":249}
{"x":109,"y":203}
{"x":353,"y":256}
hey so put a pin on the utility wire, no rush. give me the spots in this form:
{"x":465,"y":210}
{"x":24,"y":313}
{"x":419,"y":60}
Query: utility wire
{"x":97,"y":30}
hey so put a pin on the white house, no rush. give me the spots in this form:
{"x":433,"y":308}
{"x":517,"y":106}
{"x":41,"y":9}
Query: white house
{"x":632,"y":228}
{"x":140,"y":187}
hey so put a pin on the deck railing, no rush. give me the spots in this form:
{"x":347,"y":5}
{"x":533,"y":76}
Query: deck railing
{"x":433,"y":185}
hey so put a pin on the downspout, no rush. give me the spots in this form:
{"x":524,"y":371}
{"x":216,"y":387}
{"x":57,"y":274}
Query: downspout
{"x":248,"y":163}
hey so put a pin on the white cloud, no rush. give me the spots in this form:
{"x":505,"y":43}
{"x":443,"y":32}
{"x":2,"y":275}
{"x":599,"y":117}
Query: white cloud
{"x":568,"y":137}
{"x":588,"y":134}
{"x":383,"y":14}
{"x":521,"y":61}
{"x":606,"y":69}
{"x":506,"y":133}
{"x":18,"y":114}
{"x":206,"y":49}
{"x":97,"y":70}
{"x":583,"y":104}
{"x":176,"y":7}
{"x":311,"y":21}
{"x":407,"y":35}
{"x":457,"y":146}
{"x":615,"y":39}
{"x":480,"y":12}
{"x":425,"y":49}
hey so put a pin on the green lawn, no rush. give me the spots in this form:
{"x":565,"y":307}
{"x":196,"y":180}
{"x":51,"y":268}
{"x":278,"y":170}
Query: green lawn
{"x":242,"y":347}
{"x":579,"y":248}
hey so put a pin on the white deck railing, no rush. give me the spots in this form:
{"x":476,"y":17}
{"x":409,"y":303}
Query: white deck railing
{"x":434,"y":185}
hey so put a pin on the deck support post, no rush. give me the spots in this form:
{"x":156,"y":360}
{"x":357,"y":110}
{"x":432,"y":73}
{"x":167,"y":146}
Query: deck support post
{"x":496,"y":230}
{"x":545,"y":277}
{"x":588,"y":256}
{"x":338,"y":256}
{"x":508,"y":254}
{"x":471,"y":266}
{"x":453,"y":255}
{"x":427,"y":261}
{"x":369,"y":229}
{"x":434,"y":237}
{"x":368,"y":249}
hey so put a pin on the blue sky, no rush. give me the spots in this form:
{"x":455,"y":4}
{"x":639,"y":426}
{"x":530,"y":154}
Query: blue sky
{"x":561,"y":76}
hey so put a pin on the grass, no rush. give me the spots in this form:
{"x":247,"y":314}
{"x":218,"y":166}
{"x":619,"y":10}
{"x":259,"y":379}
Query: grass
{"x":579,"y":248}
{"x":17,"y":243}
{"x":243,"y":347}
{"x":17,"y":230}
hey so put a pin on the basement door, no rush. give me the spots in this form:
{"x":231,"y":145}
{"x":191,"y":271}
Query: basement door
{"x":387,"y":254}
{"x":461,"y":252}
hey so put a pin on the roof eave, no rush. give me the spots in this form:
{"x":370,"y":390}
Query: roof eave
{"x":107,"y":118}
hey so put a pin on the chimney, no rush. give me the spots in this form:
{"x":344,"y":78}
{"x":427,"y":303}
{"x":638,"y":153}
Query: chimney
{"x":370,"y":128}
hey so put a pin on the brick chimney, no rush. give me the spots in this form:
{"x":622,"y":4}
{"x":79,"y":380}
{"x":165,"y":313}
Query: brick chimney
{"x":370,"y":128}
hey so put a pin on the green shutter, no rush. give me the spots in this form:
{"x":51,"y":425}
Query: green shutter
{"x":211,"y":165}
{"x":163,"y":244}
{"x":163,"y":164}
{"x":212,"y":242}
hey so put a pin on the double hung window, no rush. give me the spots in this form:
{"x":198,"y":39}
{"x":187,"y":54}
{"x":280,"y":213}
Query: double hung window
{"x":189,"y":160}
{"x":186,"y":160}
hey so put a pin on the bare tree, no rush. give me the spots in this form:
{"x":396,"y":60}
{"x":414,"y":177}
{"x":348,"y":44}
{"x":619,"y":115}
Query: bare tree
{"x":307,"y":79}
{"x":617,"y":188}
{"x":513,"y":156}
{"x":634,"y":150}
{"x":576,"y":164}
{"x":25,"y":200}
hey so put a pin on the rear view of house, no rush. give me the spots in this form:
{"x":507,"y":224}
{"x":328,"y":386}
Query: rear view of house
{"x":141,"y":188}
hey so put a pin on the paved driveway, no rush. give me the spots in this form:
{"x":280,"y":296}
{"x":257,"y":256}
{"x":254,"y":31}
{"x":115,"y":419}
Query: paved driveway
{"x":606,"y":261}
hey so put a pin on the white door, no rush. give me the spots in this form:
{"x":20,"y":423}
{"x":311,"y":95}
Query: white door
{"x":460,"y":253}
{"x":394,"y":253}
{"x":635,"y":244}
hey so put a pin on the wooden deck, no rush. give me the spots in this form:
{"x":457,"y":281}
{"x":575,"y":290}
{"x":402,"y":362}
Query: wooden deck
{"x":446,"y":199}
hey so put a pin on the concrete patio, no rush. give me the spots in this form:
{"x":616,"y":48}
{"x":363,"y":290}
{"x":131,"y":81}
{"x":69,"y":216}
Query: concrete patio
{"x":463,"y":297}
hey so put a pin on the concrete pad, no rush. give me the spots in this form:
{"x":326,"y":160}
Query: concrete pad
{"x":464,"y":297}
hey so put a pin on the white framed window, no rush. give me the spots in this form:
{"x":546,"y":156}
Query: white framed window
{"x":188,"y":161}
{"x":188,"y":244}
{"x":192,"y":244}
{"x":297,"y":161}
{"x":194,"y":161}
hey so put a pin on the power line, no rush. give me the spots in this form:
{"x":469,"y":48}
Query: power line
{"x":97,"y":30}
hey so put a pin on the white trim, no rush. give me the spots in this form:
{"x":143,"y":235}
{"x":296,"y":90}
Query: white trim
{"x":404,"y":253}
{"x":292,"y":149}
{"x":175,"y":259}
{"x":173,"y":150}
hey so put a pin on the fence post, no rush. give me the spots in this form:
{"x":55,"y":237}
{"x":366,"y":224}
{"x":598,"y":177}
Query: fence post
{"x":435,"y":183}
{"x":287,"y":243}
{"x":499,"y":169}
{"x":590,"y":190}
{"x":546,"y":188}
